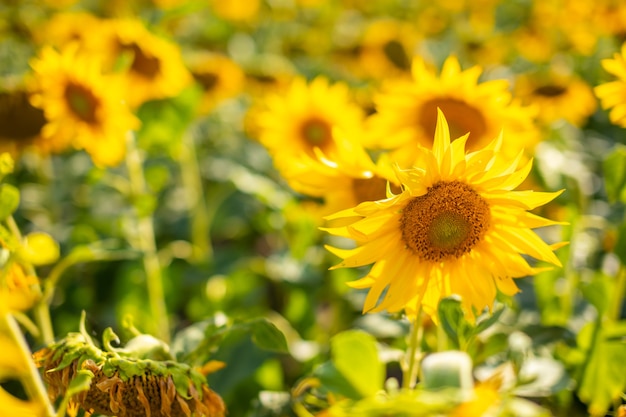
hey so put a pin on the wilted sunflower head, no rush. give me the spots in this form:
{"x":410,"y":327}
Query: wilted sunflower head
{"x":124,"y":386}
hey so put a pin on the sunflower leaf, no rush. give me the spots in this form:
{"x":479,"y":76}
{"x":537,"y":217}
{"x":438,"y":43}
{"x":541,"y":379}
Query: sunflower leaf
{"x":9,"y":200}
{"x":355,"y":356}
{"x":602,"y":381}
{"x":614,"y":167}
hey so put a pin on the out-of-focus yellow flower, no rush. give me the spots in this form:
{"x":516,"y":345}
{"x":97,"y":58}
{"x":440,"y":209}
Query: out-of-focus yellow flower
{"x":219,"y":76}
{"x":457,"y":227}
{"x":558,"y":96}
{"x":152,"y":66}
{"x":407,"y":111}
{"x":17,"y":289}
{"x":84,"y":108}
{"x":387,"y":48}
{"x":486,"y":396}
{"x":612,"y":94}
{"x":236,"y":10}
{"x":66,"y":27}
{"x":347,"y":180}
{"x":301,"y":120}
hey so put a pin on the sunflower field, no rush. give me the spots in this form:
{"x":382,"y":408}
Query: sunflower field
{"x":312,"y":208}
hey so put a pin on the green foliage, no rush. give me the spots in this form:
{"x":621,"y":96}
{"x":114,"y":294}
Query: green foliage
{"x":615,"y":174}
{"x":602,"y":377}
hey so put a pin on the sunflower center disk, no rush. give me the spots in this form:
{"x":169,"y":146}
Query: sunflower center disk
{"x":316,"y":132}
{"x":446,"y":222}
{"x":82,"y":102}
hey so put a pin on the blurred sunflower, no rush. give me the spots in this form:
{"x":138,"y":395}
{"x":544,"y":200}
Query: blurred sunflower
{"x":17,"y":289}
{"x":84,"y":108}
{"x":386,"y":48}
{"x":301,"y":121}
{"x":152,"y":66}
{"x":236,"y":10}
{"x":407,"y":111}
{"x":612,"y":94}
{"x":20,"y":122}
{"x":558,"y":96}
{"x":65,"y":27}
{"x":219,"y":77}
{"x":349,"y":179}
{"x":456,"y":228}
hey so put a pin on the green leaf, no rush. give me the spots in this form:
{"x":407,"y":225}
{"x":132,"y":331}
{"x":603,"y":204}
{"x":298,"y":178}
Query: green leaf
{"x":453,"y":321}
{"x":267,"y":336}
{"x":598,"y":291}
{"x":355,"y":356}
{"x":603,"y":376}
{"x":81,"y":382}
{"x":620,"y":243}
{"x":333,"y":381}
{"x":614,"y":167}
{"x":9,"y":200}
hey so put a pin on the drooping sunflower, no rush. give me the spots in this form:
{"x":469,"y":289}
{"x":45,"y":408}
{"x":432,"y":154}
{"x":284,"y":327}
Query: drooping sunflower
{"x":152,"y":66}
{"x":84,"y":109}
{"x":457,"y":227}
{"x":612,"y":94}
{"x":219,"y":76}
{"x":558,"y":96}
{"x":407,"y":111}
{"x":302,"y":119}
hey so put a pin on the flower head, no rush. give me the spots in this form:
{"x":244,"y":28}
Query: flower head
{"x":612,"y":94}
{"x":303,"y":120}
{"x":83,"y":107}
{"x":407,"y":111}
{"x":457,"y":227}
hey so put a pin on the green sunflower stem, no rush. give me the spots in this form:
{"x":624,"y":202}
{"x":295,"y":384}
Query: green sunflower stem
{"x":192,"y":181}
{"x":414,"y":352}
{"x":144,"y":239}
{"x":31,"y":379}
{"x":618,"y":295}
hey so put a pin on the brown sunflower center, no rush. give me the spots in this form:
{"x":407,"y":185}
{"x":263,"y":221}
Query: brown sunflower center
{"x":446,"y":222}
{"x":462,"y":118}
{"x":144,"y":65}
{"x":207,"y":80}
{"x":316,"y":132}
{"x":371,"y":189}
{"x":82,"y":102}
{"x":19,"y":120}
{"x":550,"y":91}
{"x":395,"y":53}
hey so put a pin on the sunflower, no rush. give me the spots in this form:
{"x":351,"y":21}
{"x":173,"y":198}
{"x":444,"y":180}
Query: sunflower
{"x":457,"y":227}
{"x":84,"y":108}
{"x":63,"y":28}
{"x":386,"y":48}
{"x":152,"y":66}
{"x":124,"y":385}
{"x":20,"y":122}
{"x":301,"y":121}
{"x":219,"y":77}
{"x":612,"y":94}
{"x":350,"y":178}
{"x":407,"y":111}
{"x":558,"y":96}
{"x":236,"y":10}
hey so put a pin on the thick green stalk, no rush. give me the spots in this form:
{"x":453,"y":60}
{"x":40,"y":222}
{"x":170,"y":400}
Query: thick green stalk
{"x":144,"y":239}
{"x":413,"y":354}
